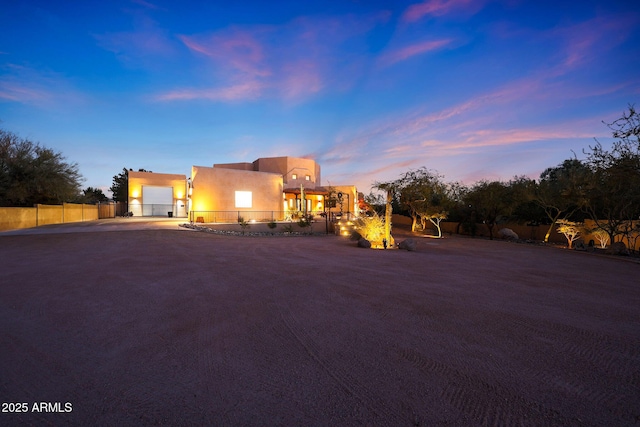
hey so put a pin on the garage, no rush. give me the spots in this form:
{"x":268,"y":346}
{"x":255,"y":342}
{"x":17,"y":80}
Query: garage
{"x":156,"y":200}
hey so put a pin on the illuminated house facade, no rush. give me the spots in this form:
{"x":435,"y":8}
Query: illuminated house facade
{"x":272,"y":188}
{"x":157,"y":194}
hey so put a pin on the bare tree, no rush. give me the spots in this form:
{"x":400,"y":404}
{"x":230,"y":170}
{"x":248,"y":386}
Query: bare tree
{"x":614,"y":191}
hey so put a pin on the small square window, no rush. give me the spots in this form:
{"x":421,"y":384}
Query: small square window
{"x":243,"y":199}
{"x":294,"y":176}
{"x":307,"y":177}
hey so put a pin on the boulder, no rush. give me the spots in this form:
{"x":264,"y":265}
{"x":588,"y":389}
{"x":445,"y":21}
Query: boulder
{"x":408,"y":244}
{"x":618,"y":248}
{"x":363,"y":243}
{"x":507,"y":233}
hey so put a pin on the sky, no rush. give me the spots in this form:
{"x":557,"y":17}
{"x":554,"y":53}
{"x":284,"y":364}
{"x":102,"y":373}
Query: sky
{"x":471,"y":89}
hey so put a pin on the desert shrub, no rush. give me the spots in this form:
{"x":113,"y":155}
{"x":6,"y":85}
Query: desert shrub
{"x":371,"y":228}
{"x":287,"y":228}
{"x":243,"y":224}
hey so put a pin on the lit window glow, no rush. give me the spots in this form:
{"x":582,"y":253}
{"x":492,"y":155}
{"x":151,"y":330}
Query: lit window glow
{"x":243,"y":199}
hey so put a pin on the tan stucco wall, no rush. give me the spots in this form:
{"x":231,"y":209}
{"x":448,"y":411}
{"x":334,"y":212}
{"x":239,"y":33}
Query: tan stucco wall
{"x":287,"y":166}
{"x":349,"y":199}
{"x":137,"y":180}
{"x":239,"y":166}
{"x":214,"y":189}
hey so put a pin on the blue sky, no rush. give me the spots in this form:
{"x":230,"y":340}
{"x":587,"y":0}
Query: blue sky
{"x":472,"y":89}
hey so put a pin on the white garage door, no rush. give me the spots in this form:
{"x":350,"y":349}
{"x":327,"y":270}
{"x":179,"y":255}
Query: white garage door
{"x":156,"y":201}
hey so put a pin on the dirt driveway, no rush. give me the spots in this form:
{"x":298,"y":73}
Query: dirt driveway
{"x":167,"y":326}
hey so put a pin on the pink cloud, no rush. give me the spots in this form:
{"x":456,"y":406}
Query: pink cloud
{"x":15,"y":92}
{"x":415,"y":12}
{"x":300,"y":79}
{"x":242,"y":91}
{"x":40,"y":88}
{"x":139,"y":46}
{"x":498,"y":137}
{"x":236,"y":49}
{"x":582,"y":44}
{"x":293,"y":61}
{"x":412,"y":50}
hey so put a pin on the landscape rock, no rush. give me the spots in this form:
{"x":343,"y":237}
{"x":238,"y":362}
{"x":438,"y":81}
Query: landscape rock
{"x":618,"y":248}
{"x":363,"y":243}
{"x":408,"y":244}
{"x":507,"y":233}
{"x":579,"y":245}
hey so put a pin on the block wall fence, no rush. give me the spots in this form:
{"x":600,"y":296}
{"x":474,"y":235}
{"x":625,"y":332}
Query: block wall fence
{"x":17,"y":218}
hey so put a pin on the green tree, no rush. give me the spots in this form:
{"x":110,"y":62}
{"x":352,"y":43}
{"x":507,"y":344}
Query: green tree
{"x":93,"y":195}
{"x":490,"y":201}
{"x":120,"y":186}
{"x":31,"y":173}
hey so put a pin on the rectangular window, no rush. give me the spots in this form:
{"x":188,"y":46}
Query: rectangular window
{"x":307,"y":177}
{"x":294,"y":176}
{"x":243,"y":199}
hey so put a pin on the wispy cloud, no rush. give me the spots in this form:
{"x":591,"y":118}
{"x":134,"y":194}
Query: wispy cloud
{"x":582,"y":44}
{"x":237,"y":49}
{"x":415,"y":12}
{"x":15,"y":91}
{"x":43,"y":89}
{"x":486,"y":123}
{"x":147,"y":4}
{"x":247,"y":90}
{"x":293,"y":61}
{"x":406,"y":52}
{"x":142,"y":47}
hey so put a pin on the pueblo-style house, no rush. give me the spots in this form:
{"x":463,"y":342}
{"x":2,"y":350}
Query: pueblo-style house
{"x":270,"y":188}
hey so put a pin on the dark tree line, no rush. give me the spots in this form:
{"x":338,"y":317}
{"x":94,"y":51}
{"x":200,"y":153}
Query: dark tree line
{"x":604,"y":187}
{"x":33,"y":174}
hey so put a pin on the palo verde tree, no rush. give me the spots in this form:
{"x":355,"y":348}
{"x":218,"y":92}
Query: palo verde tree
{"x":423,"y":194}
{"x":614,"y":191}
{"x":31,"y":173}
{"x":561,"y":190}
{"x":570,"y":230}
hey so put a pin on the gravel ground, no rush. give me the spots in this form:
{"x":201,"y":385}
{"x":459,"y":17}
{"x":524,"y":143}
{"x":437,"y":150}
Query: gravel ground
{"x":169,"y":326}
